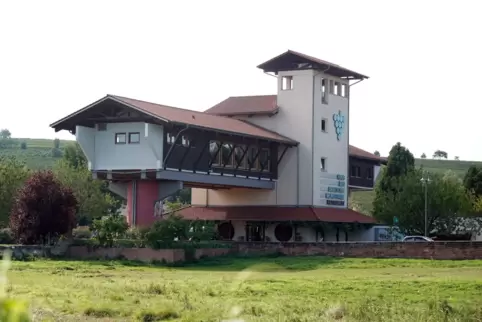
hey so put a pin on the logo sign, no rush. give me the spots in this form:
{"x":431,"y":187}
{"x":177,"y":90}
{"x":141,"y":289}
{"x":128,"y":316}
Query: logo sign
{"x":339,"y":122}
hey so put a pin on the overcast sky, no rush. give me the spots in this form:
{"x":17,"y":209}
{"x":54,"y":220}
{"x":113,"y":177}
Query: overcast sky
{"x":424,"y":59}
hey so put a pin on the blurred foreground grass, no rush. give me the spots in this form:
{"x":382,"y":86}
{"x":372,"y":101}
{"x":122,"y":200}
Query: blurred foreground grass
{"x":256,"y":289}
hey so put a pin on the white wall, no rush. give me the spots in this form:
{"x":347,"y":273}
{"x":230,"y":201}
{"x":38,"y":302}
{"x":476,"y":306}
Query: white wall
{"x":104,"y":154}
{"x":326,"y":145}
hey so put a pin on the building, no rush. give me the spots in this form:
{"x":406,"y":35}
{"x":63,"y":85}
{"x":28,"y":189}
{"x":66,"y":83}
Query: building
{"x":274,"y":167}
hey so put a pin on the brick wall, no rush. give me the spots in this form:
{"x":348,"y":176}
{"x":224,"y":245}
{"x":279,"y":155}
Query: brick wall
{"x":436,"y":250}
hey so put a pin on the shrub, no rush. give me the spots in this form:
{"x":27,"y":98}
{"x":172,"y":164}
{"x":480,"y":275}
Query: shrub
{"x":6,"y":236}
{"x":43,"y":208}
{"x":174,"y":230}
{"x":109,"y":229}
{"x":81,"y":232}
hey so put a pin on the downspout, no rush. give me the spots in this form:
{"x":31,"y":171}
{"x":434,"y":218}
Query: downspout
{"x":134,"y":203}
{"x":347,"y":179}
{"x":298,"y":175}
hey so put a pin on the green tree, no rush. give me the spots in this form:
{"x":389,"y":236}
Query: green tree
{"x":93,"y":201}
{"x":473,"y":180}
{"x":449,"y":205}
{"x":56,"y":144}
{"x":13,"y":174}
{"x":400,"y":163}
{"x":377,"y":153}
{"x":23,"y":145}
{"x":423,"y":156}
{"x":109,"y":229}
{"x":439,"y":154}
{"x":74,"y":156}
{"x":5,"y":134}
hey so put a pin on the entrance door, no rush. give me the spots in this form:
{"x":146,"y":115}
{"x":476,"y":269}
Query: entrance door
{"x":255,"y":232}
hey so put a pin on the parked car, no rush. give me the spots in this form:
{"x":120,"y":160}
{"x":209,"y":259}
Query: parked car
{"x":424,"y":239}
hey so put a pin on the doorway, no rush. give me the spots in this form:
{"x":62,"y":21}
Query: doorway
{"x":255,"y":231}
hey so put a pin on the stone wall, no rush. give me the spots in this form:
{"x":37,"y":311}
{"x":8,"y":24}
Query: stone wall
{"x":436,"y":250}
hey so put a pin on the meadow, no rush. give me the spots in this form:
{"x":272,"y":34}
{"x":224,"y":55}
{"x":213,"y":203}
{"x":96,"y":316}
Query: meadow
{"x":252,"y":289}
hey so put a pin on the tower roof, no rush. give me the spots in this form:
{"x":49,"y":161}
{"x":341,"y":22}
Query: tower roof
{"x":292,"y":60}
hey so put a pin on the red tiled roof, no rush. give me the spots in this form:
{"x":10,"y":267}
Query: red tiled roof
{"x":243,"y":105}
{"x":357,"y":152}
{"x":193,"y":118}
{"x":271,"y":213}
{"x":291,"y":57}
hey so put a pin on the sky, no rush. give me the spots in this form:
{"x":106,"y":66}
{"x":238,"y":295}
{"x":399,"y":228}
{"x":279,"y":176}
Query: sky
{"x":424,"y":60}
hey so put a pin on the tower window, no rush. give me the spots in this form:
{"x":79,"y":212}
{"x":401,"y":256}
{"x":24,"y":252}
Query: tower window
{"x":344,"y":90}
{"x":323,"y":125}
{"x":324,"y":91}
{"x":323,"y":164}
{"x":287,"y":83}
{"x":336,"y":89}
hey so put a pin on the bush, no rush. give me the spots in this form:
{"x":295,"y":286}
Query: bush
{"x":6,"y":236}
{"x":43,"y":208}
{"x":109,"y":229}
{"x":174,"y":230}
{"x":138,"y":235}
{"x":81,"y":232}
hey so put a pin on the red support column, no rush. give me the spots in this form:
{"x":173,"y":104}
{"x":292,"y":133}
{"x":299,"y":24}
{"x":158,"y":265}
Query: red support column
{"x":141,"y":198}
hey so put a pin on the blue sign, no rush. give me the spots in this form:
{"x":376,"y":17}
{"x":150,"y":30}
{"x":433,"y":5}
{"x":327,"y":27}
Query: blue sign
{"x":339,"y":123}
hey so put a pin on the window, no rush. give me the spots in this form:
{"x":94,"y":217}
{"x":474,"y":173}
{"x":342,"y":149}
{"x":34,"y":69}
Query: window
{"x":286,"y":83}
{"x":253,"y":157}
{"x":185,"y":141}
{"x":227,"y":155}
{"x":355,"y":171}
{"x":264,"y":160}
{"x":344,"y":90}
{"x":323,"y":91}
{"x":323,"y":125}
{"x":336,"y":89}
{"x":331,"y":87}
{"x":134,"y":137}
{"x":370,"y":173}
{"x":170,"y":138}
{"x":240,"y":157}
{"x":120,"y":138}
{"x":213,"y":151}
{"x":323,"y":164}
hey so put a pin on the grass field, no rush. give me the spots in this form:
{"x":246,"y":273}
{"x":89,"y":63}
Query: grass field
{"x":269,"y":289}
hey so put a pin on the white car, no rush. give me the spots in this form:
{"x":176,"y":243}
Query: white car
{"x":417,"y":239}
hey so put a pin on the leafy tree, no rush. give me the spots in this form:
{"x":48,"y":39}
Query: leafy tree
{"x":12,"y":175}
{"x":6,"y":140}
{"x":473,"y":180}
{"x":56,"y":144}
{"x":400,"y":163}
{"x":377,"y":153}
{"x":43,"y":208}
{"x":5,"y":134}
{"x":23,"y":145}
{"x":439,"y":154}
{"x":456,"y":158}
{"x":74,"y":156}
{"x":56,"y":153}
{"x":109,"y":229}
{"x":423,"y":156}
{"x":449,"y":205}
{"x":92,"y":199}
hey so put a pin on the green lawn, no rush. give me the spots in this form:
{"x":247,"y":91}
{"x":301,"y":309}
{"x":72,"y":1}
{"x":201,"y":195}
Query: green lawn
{"x":270,"y":289}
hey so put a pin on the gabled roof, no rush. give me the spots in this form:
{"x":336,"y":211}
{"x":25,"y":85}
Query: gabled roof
{"x":246,"y":105}
{"x":272,"y":213}
{"x":292,"y":60}
{"x":357,"y":152}
{"x":196,"y":119}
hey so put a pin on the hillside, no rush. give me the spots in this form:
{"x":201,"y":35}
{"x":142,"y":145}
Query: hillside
{"x":37,"y":153}
{"x":365,"y":198}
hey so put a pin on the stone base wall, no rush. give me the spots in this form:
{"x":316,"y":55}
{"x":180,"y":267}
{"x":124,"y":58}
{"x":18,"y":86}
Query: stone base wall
{"x":436,"y":250}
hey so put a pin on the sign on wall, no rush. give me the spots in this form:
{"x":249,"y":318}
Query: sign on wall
{"x":332,"y":189}
{"x":339,"y":124}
